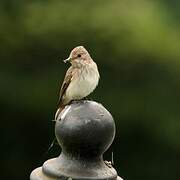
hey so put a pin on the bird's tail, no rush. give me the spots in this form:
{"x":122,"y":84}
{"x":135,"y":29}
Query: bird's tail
{"x":58,"y":112}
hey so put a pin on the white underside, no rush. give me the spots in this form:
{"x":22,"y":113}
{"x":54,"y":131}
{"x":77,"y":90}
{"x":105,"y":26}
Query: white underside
{"x":84,"y":85}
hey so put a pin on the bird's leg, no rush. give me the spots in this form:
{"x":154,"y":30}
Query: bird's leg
{"x":73,"y":102}
{"x":79,"y":100}
{"x":85,"y":99}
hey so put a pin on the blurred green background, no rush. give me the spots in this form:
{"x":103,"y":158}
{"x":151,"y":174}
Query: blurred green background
{"x":136,"y":45}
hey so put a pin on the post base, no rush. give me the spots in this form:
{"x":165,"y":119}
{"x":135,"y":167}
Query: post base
{"x":66,"y":168}
{"x":38,"y":174}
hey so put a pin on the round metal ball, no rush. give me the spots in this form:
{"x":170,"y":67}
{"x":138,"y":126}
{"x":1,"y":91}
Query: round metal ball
{"x":85,"y":129}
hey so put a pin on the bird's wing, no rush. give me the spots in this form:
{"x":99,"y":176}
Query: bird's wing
{"x":65,"y":85}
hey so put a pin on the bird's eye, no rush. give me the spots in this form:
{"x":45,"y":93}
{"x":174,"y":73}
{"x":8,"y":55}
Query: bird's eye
{"x":79,"y":55}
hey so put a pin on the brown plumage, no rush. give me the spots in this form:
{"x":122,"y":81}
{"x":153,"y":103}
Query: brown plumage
{"x":80,"y":79}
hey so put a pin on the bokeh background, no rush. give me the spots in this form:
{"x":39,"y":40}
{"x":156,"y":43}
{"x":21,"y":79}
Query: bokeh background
{"x":136,"y":45}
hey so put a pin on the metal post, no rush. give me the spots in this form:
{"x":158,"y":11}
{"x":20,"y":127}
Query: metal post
{"x":84,"y":130}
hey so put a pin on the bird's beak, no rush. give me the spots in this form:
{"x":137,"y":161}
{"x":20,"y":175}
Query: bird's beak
{"x":67,"y":60}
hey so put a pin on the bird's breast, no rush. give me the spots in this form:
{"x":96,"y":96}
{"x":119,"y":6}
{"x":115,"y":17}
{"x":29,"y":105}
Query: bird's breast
{"x":83,"y":83}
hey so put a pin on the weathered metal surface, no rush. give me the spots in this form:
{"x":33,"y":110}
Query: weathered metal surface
{"x":84,"y":130}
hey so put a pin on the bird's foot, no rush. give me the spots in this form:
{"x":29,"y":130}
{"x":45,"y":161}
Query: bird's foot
{"x":75,"y":101}
{"x":79,"y":101}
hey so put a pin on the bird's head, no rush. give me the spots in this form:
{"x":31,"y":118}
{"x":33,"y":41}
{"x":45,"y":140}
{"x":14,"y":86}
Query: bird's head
{"x":79,"y":56}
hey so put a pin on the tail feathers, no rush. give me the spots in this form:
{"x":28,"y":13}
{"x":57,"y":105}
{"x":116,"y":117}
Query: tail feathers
{"x":58,"y":112}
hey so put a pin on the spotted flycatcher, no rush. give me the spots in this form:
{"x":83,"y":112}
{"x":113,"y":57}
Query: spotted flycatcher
{"x":80,"y":80}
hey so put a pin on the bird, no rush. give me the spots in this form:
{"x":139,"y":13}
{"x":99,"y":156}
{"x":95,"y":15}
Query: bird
{"x":80,"y":80}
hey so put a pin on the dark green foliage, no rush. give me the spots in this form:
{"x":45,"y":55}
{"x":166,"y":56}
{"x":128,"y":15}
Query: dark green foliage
{"x":136,"y":45}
